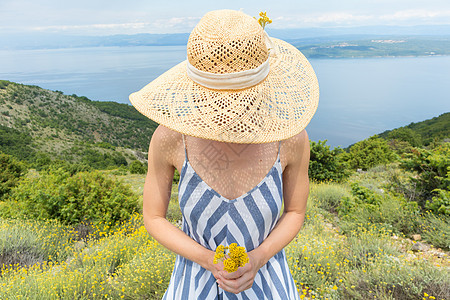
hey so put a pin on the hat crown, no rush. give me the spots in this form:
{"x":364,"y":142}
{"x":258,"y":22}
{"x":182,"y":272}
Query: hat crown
{"x":227,"y":41}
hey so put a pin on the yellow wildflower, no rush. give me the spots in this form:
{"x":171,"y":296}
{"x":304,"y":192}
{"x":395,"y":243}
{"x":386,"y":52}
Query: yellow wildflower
{"x":235,"y":257}
{"x":230,"y":265}
{"x":263,"y":20}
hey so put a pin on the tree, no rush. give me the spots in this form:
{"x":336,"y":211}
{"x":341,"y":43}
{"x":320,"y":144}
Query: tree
{"x":325,"y":164}
{"x":406,"y":134}
{"x":433,"y":171}
{"x":369,"y":153}
{"x":90,"y":197}
{"x":400,"y":147}
{"x":136,"y":167}
{"x":11,"y":170}
{"x":14,"y":142}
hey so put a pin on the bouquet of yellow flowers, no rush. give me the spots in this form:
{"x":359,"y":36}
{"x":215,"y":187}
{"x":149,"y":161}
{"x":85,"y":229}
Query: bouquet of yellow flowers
{"x":233,"y":257}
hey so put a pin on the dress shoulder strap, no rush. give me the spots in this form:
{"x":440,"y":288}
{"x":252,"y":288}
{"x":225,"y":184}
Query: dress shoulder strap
{"x":184,"y":143}
{"x":279,"y":147}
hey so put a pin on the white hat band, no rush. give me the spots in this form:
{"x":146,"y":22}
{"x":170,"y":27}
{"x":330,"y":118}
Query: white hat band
{"x":229,"y":81}
{"x":236,"y":80}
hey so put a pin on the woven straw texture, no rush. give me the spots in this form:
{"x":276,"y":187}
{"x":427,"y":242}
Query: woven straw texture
{"x":228,"y":41}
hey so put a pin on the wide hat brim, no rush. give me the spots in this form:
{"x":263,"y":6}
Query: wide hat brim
{"x":277,"y":108}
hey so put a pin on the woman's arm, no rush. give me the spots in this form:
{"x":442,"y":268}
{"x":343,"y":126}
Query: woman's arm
{"x":157,"y":190}
{"x":295,"y":194}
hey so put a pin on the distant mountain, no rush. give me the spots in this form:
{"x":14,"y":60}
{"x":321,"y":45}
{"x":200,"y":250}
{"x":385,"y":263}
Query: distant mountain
{"x":34,"y":120}
{"x":385,"y":46}
{"x":57,"y":41}
{"x":308,"y":35}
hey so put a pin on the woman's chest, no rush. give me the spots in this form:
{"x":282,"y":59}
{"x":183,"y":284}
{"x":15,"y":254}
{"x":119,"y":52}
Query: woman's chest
{"x":231,"y":172}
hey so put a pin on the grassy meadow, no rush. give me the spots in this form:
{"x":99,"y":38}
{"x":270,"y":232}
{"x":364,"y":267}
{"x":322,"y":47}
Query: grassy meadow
{"x":366,"y":252}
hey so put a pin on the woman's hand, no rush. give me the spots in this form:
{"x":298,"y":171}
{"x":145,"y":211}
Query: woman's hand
{"x":240,"y":280}
{"x":215,"y":269}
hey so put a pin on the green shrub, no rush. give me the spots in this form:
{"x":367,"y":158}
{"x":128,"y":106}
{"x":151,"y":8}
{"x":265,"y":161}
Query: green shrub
{"x":433,"y":171}
{"x":435,"y":229}
{"x":325,"y":164}
{"x":369,"y":153}
{"x":17,"y":143}
{"x":361,"y":196}
{"x":136,"y":167}
{"x":72,"y":168}
{"x":365,"y":243}
{"x":121,"y":171}
{"x":392,"y":214}
{"x":152,"y":265}
{"x":173,"y":211}
{"x":367,"y":208}
{"x":41,"y":161}
{"x":385,"y":275}
{"x":27,"y":242}
{"x":124,"y":263}
{"x":400,"y":147}
{"x":11,"y":171}
{"x":176,"y":177}
{"x":406,"y":134}
{"x":398,"y":214}
{"x":82,"y":197}
{"x":440,"y":203}
{"x":101,"y":161}
{"x":4,"y":84}
{"x":105,"y":145}
{"x":316,"y":259}
{"x":433,"y":166}
{"x":328,"y":195}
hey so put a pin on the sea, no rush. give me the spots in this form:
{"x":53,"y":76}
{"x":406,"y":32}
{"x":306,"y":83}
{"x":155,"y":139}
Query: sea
{"x":359,"y":97}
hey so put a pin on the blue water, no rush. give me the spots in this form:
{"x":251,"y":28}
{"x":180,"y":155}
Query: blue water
{"x":358,"y":97}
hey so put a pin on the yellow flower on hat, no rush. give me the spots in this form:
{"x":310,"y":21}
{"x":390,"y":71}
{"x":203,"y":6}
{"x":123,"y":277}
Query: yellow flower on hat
{"x":263,"y":20}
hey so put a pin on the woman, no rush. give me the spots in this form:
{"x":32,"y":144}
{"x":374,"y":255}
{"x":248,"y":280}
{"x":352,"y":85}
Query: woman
{"x":232,"y":121}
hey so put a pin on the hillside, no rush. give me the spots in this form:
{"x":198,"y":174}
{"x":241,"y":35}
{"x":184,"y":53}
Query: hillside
{"x":34,"y":120}
{"x":435,"y":128}
{"x":82,"y":235}
{"x":38,"y":124}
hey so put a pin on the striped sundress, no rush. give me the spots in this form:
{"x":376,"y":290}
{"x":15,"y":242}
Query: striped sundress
{"x":212,"y":220}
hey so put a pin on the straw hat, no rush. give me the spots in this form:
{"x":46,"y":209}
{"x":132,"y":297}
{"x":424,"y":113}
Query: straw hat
{"x":237,"y":85}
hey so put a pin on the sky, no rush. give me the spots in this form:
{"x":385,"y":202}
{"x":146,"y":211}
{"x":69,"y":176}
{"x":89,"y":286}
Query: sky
{"x":108,"y":17}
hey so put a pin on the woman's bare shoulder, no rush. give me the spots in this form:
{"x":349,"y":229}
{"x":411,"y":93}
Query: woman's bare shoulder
{"x":296,"y":147}
{"x":165,"y":134}
{"x":166,"y":142}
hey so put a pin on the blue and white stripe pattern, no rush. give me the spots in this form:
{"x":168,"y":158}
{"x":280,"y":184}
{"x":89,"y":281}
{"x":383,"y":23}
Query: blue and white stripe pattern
{"x":212,"y":220}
